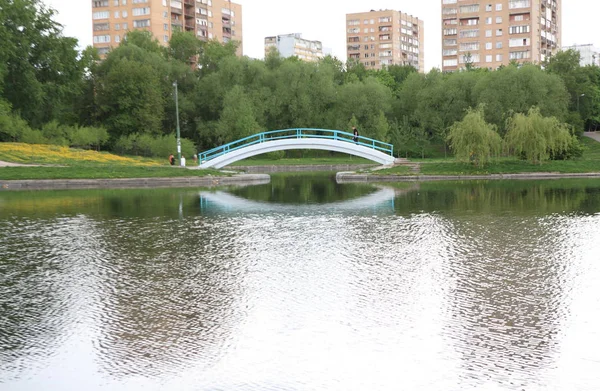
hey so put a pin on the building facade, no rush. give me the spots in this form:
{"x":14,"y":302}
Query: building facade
{"x":207,"y":19}
{"x":590,"y":55}
{"x":294,"y":45}
{"x":490,"y":33}
{"x":385,"y":37}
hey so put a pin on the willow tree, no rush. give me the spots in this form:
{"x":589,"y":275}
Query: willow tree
{"x":537,"y":138}
{"x":473,"y":139}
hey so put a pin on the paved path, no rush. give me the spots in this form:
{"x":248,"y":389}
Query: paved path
{"x":9,"y":164}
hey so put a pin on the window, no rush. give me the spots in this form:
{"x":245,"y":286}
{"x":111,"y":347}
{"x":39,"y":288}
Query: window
{"x":449,"y":52}
{"x":488,"y":20}
{"x":141,"y":11}
{"x":451,"y":63}
{"x":488,"y":7}
{"x":449,"y":42}
{"x":116,"y":14}
{"x":140,"y":1}
{"x":498,"y":7}
{"x":166,"y":27}
{"x":102,"y":26}
{"x":116,"y":3}
{"x":469,"y":8}
{"x":165,"y":38}
{"x":354,"y":22}
{"x":100,"y":3}
{"x":469,"y":46}
{"x":499,"y":45}
{"x":117,"y":38}
{"x":499,"y":33}
{"x":101,"y":15}
{"x":498,"y":19}
{"x":488,"y":33}
{"x":469,"y":34}
{"x":512,"y":4}
{"x":124,"y":14}
{"x":141,"y":23}
{"x":449,"y":11}
{"x":124,"y":26}
{"x":519,"y":55}
{"x":518,"y":42}
{"x":518,"y":29}
{"x":499,"y":57}
{"x":450,"y":31}
{"x":488,"y":58}
{"x":123,"y":2}
{"x":101,"y":38}
{"x":488,"y":46}
{"x":117,"y":26}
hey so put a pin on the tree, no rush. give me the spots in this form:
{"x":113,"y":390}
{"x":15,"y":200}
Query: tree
{"x":474,"y":140}
{"x":184,"y":46}
{"x":130,"y":98}
{"x":518,"y":89}
{"x":537,"y":138}
{"x":40,"y":69}
{"x":238,"y":119}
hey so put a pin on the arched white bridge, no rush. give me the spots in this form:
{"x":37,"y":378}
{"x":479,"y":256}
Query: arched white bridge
{"x":301,"y":138}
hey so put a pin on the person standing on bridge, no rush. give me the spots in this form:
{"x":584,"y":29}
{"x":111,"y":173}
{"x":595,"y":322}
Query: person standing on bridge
{"x":355,"y":131}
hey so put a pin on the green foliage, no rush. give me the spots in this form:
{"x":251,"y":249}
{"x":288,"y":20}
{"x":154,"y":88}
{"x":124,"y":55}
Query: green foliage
{"x":153,"y":146}
{"x":56,"y":133}
{"x":474,"y":140}
{"x":88,"y":137}
{"x":40,"y":70}
{"x":538,"y":138}
{"x":184,"y":46}
{"x":518,"y":89}
{"x":12,"y":126}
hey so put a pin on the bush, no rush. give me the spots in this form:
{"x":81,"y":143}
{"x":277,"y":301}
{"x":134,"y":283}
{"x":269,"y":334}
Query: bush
{"x":153,"y":146}
{"x":88,"y":137}
{"x":56,"y":134}
{"x":33,"y":136}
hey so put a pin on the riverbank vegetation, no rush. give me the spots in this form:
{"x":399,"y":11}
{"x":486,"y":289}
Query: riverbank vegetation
{"x":50,"y":93}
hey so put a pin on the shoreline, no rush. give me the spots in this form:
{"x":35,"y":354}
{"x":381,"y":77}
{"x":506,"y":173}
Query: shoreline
{"x":126,"y":183}
{"x":352,"y":177}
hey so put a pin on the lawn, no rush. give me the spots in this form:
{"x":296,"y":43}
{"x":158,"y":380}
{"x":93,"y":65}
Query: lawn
{"x":67,"y":163}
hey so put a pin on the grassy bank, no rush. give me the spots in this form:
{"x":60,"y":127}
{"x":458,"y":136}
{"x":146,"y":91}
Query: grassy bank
{"x":588,"y":163}
{"x":57,"y":162}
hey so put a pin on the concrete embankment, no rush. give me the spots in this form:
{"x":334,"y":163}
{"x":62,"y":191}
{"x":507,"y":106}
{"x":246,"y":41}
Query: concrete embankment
{"x":207,"y":181}
{"x":349,"y":177}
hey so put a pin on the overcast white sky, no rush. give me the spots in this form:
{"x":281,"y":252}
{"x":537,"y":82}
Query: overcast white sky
{"x":324,"y":20}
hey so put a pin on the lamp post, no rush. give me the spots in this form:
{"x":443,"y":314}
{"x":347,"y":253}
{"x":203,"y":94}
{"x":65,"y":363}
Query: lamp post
{"x":177,"y":121}
{"x":579,"y":96}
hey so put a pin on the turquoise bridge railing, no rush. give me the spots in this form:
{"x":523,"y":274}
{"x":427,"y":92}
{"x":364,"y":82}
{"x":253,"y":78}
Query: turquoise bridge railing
{"x":297,"y":133}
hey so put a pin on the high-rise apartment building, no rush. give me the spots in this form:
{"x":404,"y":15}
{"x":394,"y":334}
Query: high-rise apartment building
{"x":590,"y":55}
{"x":294,"y":45}
{"x":207,"y":19}
{"x":490,"y":33}
{"x":385,"y":37}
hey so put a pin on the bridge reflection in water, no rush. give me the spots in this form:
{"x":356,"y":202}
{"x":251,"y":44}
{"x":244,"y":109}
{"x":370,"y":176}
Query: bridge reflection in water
{"x":380,"y":202}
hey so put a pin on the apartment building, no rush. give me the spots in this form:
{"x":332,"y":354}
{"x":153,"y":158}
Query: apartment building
{"x":207,"y":19}
{"x":590,"y":55}
{"x":294,"y":45}
{"x":385,"y":37}
{"x":490,"y":33}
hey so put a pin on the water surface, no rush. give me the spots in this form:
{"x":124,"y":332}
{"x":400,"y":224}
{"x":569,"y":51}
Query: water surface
{"x":302,"y":284}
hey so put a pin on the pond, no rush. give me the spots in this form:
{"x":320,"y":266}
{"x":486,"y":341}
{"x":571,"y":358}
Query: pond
{"x":303,"y":284}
